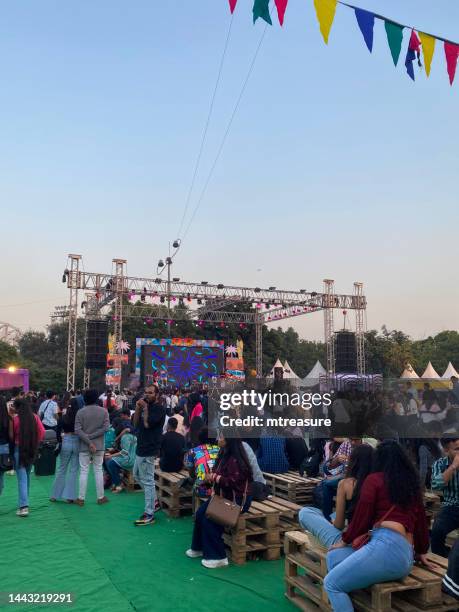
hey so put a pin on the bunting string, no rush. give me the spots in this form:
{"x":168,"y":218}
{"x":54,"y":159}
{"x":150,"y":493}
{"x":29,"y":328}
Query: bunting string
{"x":419,"y":43}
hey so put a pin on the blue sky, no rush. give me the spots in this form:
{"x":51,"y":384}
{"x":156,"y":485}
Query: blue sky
{"x":336,"y":165}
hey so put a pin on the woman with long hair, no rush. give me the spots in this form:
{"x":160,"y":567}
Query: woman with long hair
{"x":65,"y":483}
{"x":26,"y":431}
{"x":347,"y":495}
{"x":4,"y":435}
{"x":231,"y":477}
{"x":390,"y":504}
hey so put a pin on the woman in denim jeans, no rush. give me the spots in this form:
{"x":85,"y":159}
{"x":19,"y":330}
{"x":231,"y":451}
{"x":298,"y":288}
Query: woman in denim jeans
{"x":65,"y":483}
{"x":390,"y":502}
{"x":27,"y":432}
{"x":4,"y":435}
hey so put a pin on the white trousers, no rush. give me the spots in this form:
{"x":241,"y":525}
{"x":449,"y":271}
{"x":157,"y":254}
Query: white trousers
{"x":97,"y":461}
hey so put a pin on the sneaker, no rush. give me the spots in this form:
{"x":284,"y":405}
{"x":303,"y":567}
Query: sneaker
{"x":118,"y":489}
{"x":213,"y":563}
{"x":157,"y":506}
{"x":145,"y":519}
{"x":103,"y":500}
{"x":79,"y":502}
{"x":193,"y":553}
{"x":22,"y":512}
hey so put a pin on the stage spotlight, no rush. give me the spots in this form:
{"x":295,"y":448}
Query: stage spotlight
{"x":204,"y":282}
{"x":199,"y":301}
{"x":257,"y":289}
{"x":314,"y":293}
{"x":272,"y":288}
{"x":175,"y":279}
{"x":302,"y":290}
{"x":176,"y":243}
{"x":220,"y":286}
{"x":160,"y":263}
{"x":64,"y":277}
{"x":158,"y":281}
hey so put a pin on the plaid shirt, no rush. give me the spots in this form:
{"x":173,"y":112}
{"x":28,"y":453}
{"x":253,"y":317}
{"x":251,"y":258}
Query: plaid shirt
{"x":271,"y":455}
{"x":344,"y":449}
{"x":450,"y":490}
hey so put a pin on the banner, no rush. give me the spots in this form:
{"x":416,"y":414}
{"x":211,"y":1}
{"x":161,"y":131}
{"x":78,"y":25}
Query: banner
{"x":325,"y":10}
{"x":366,"y":23}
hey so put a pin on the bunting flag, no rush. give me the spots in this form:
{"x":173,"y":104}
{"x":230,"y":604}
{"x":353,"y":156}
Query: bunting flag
{"x":428,"y":48}
{"x":261,"y":9}
{"x":325,"y":10}
{"x":232,"y":4}
{"x":366,"y":22}
{"x":413,"y":52}
{"x":281,"y":5}
{"x":394,"y":34}
{"x":452,"y":55}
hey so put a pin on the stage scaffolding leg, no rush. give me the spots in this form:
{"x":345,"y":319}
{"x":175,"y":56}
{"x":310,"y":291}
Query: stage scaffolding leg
{"x":328,"y":305}
{"x":360,"y":305}
{"x":73,"y":283}
{"x":259,"y":345}
{"x":119,"y":291}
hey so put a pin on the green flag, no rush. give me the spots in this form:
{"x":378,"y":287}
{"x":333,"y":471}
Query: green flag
{"x":261,"y":9}
{"x":394,"y":38}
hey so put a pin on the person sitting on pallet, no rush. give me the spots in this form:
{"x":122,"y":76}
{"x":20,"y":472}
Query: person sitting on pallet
{"x":172,"y":448}
{"x":313,"y":520}
{"x":445,"y":478}
{"x":271,"y":455}
{"x":123,"y":459}
{"x":199,"y":461}
{"x":232,"y":478}
{"x":388,"y":522}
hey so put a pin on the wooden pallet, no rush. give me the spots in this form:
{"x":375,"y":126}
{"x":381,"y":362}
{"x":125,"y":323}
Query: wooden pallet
{"x":452,"y":537}
{"x":305,"y":568}
{"x":129,"y":482}
{"x":292,"y":486}
{"x":432,"y":504}
{"x":175,"y":500}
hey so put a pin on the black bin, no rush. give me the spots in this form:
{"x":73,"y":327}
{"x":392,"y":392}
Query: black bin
{"x":45,"y":463}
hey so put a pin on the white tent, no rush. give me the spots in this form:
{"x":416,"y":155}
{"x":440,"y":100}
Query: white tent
{"x":288,"y":372}
{"x":409,"y":372}
{"x":450,"y":371}
{"x":430,"y":372}
{"x":278,"y":364}
{"x":317,"y":371}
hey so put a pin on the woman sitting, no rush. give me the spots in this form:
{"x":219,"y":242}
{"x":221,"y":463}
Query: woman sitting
{"x":231,"y":478}
{"x":123,"y":459}
{"x":313,"y":520}
{"x":390,"y":503}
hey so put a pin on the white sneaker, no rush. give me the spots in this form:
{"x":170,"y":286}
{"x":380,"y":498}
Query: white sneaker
{"x":23,"y":512}
{"x":213,"y":563}
{"x":193,"y":553}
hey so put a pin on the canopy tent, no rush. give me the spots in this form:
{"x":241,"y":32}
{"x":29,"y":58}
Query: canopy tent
{"x":317,"y":371}
{"x":289,"y":373}
{"x":450,"y":371}
{"x":430,"y":372}
{"x":409,"y":372}
{"x":278,"y":364}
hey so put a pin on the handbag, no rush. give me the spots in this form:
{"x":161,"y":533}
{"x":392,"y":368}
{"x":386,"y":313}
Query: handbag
{"x":224,"y":511}
{"x":363,"y":539}
{"x":6,"y":463}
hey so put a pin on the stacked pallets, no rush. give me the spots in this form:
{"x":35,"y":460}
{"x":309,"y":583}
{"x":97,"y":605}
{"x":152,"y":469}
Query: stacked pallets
{"x":432,"y":504}
{"x":292,"y":486}
{"x":174,"y":499}
{"x":305,"y":569}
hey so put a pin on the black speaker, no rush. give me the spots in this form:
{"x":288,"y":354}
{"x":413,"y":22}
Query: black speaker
{"x":96,"y":344}
{"x":345,"y":352}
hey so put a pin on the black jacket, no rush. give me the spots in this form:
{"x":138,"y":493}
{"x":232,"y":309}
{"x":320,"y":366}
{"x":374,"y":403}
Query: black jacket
{"x":149,"y":438}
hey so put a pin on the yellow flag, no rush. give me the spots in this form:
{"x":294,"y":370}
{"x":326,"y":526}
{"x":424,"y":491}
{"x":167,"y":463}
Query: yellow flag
{"x":428,"y":48}
{"x":325,"y":10}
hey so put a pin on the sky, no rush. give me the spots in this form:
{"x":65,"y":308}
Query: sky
{"x":336,"y":164}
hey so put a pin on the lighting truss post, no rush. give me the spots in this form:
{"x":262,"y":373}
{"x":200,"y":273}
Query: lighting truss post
{"x":169,"y":264}
{"x":73,"y":283}
{"x":328,"y":302}
{"x":119,"y":289}
{"x":259,"y":344}
{"x":360,"y":306}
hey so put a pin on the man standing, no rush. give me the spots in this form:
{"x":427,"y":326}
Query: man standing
{"x":445,"y":478}
{"x":91,"y":423}
{"x":48,"y":411}
{"x":149,"y":420}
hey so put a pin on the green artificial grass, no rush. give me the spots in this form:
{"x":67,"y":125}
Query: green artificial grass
{"x":96,"y":553}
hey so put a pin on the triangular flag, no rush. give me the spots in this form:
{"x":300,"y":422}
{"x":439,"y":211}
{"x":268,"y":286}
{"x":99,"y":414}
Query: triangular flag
{"x":366,"y":21}
{"x":261,"y":9}
{"x":413,"y":52}
{"x":452,"y":54}
{"x":325,"y":10}
{"x":428,"y":48}
{"x":394,"y":38}
{"x":232,"y":4}
{"x":281,"y":5}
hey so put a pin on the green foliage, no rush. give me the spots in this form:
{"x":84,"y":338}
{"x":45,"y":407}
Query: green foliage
{"x":9,"y":356}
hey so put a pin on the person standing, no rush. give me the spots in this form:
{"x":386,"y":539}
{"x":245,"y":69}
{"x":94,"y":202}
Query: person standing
{"x":48,"y":411}
{"x":65,"y":483}
{"x":149,"y":419}
{"x":91,"y":423}
{"x":27,"y":431}
{"x":445,"y":478}
{"x":4,"y":435}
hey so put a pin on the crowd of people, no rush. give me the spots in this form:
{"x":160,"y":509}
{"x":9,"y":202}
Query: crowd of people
{"x":368,"y":508}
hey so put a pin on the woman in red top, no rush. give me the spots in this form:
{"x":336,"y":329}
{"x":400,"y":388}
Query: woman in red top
{"x":392,"y":497}
{"x":27,"y":431}
{"x":231,"y":477}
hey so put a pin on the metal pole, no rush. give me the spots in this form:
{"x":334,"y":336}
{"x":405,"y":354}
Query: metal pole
{"x":328,"y":305}
{"x":259,"y":345}
{"x":168,"y":263}
{"x":73,"y":283}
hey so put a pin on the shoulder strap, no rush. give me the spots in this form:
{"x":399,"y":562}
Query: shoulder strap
{"x":385,"y":516}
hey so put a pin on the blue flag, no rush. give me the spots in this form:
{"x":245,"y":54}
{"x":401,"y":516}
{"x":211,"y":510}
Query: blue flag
{"x":366,"y":22}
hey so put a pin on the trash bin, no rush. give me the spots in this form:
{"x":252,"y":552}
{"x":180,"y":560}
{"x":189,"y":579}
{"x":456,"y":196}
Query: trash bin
{"x":45,"y":463}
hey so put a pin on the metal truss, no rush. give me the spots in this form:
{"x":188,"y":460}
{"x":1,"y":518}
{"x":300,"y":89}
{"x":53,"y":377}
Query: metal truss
{"x":73,"y":283}
{"x":329,"y":301}
{"x":359,"y":301}
{"x":9,"y":334}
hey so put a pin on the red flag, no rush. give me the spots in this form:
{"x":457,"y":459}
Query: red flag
{"x":232,"y":4}
{"x":452,"y":55}
{"x":281,"y":5}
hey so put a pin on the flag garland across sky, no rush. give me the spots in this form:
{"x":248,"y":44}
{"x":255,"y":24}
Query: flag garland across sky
{"x":418,"y":41}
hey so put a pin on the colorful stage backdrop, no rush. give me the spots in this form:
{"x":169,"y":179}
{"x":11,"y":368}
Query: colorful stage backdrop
{"x":178,"y":361}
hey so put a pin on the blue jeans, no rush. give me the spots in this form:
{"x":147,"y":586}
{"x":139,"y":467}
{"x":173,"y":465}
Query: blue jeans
{"x":144,"y":473}
{"x":65,"y":483}
{"x":388,"y":556}
{"x":4,"y":450}
{"x":23,"y":477}
{"x":329,"y":488}
{"x":313,"y":520}
{"x":115,"y":471}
